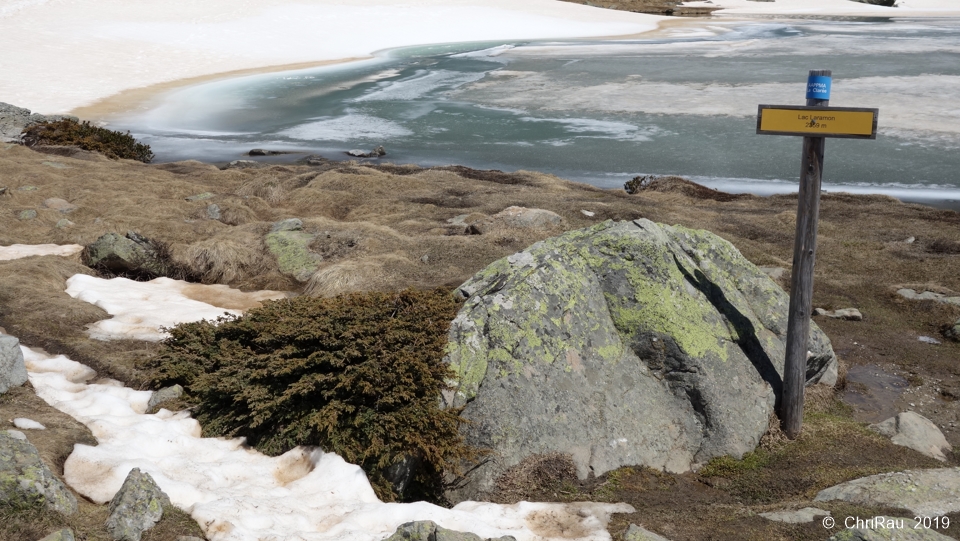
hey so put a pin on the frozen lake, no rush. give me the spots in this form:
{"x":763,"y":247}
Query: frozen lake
{"x":605,"y":111}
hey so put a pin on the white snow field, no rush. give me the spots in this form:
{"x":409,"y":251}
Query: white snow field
{"x":232,"y":491}
{"x":141,"y":309}
{"x":17,"y":251}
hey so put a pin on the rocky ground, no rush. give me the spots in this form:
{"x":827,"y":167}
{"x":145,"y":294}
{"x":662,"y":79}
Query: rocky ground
{"x":371,"y":225}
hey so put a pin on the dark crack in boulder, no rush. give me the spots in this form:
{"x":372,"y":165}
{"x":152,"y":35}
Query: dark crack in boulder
{"x":628,"y":343}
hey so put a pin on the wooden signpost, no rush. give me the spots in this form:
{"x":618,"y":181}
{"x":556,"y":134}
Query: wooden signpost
{"x":815,"y":122}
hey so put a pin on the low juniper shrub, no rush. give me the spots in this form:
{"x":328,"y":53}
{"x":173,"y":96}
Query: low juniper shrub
{"x":66,"y":132}
{"x":359,"y":375}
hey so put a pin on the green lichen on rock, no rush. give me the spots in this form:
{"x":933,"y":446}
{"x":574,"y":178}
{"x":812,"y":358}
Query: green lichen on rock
{"x":292,"y":251}
{"x":136,"y":507}
{"x":26,"y":481}
{"x":621,"y":343}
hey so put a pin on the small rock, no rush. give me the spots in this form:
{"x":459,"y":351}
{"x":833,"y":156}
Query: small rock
{"x":588,"y":213}
{"x":928,"y":340}
{"x":425,"y":258}
{"x":928,"y":296}
{"x":3,"y":190}
{"x":427,"y":530}
{"x":129,"y":254}
{"x":64,"y":223}
{"x":375,"y":153}
{"x":59,"y":205}
{"x":909,"y":240}
{"x":243,"y":164}
{"x":136,"y":507}
{"x":262,"y":152}
{"x":27,"y":214}
{"x":213,"y":211}
{"x":65,"y":534}
{"x":27,"y":424}
{"x":290,"y":224}
{"x":807,"y":514}
{"x":637,"y":533}
{"x":13,"y":371}
{"x":26,"y":480}
{"x":16,"y":434}
{"x":953,"y":332}
{"x":849,"y":314}
{"x":200,"y":196}
{"x":164,"y":395}
{"x":915,"y":431}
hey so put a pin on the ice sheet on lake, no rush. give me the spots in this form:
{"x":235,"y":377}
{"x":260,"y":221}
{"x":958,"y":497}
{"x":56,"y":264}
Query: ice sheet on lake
{"x":347,"y":128}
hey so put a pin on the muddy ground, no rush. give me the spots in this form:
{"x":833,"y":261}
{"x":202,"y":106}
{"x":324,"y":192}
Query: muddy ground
{"x":383,"y":226}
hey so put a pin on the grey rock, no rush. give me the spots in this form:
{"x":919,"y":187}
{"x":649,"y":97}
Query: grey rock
{"x":849,"y":314}
{"x":164,"y":395}
{"x":518,"y":218}
{"x":200,"y":196}
{"x":881,"y":528}
{"x":637,"y":533}
{"x":3,"y":190}
{"x":28,"y":214}
{"x":129,"y":254}
{"x":13,"y":120}
{"x":775,"y":273}
{"x":262,"y":152}
{"x":64,"y":223}
{"x":13,"y":372}
{"x":243,"y":164}
{"x":213,"y":211}
{"x":136,"y":507}
{"x":799,"y":516}
{"x":290,"y":224}
{"x":16,"y":434}
{"x":953,"y":332}
{"x":375,"y":153}
{"x":25,"y":480}
{"x":60,"y":205}
{"x":929,"y":340}
{"x":292,"y":251}
{"x":626,"y":343}
{"x":928,"y":296}
{"x":427,"y":530}
{"x":885,"y":3}
{"x":915,"y":431}
{"x":65,"y":534}
{"x":934,"y":492}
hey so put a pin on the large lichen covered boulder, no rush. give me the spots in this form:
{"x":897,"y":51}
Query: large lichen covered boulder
{"x":13,"y":371}
{"x":136,"y":507}
{"x":628,"y":343}
{"x":26,"y":481}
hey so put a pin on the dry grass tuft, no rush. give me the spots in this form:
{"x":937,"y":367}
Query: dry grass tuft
{"x":226,"y":259}
{"x":268,"y":187}
{"x":366,"y":274}
{"x":534,"y":475}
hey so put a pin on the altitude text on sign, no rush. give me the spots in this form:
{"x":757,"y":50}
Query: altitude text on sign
{"x":849,"y":122}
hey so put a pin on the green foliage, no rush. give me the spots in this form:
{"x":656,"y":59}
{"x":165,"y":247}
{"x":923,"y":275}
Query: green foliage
{"x":112,"y":144}
{"x":359,"y":375}
{"x":729,"y":467}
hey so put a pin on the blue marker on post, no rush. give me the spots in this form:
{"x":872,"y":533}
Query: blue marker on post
{"x":818,"y":87}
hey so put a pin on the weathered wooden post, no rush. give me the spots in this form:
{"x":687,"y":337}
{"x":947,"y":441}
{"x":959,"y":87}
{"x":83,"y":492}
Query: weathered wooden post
{"x":815,"y":122}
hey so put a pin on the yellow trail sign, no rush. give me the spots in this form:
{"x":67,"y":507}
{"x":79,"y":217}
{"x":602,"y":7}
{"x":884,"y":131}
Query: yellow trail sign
{"x":851,"y":122}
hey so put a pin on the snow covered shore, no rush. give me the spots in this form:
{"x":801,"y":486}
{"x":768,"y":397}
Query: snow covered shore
{"x":83,"y":51}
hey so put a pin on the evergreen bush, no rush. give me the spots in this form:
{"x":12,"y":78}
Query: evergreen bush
{"x":66,"y":132}
{"x":359,"y":375}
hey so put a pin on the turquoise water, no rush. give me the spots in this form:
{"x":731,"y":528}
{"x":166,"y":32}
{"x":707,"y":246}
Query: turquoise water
{"x":605,"y":111}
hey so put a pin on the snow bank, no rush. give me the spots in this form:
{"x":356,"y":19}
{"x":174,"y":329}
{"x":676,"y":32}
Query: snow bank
{"x":96,"y":48}
{"x":17,"y":251}
{"x":238,"y":494}
{"x":140,"y":309}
